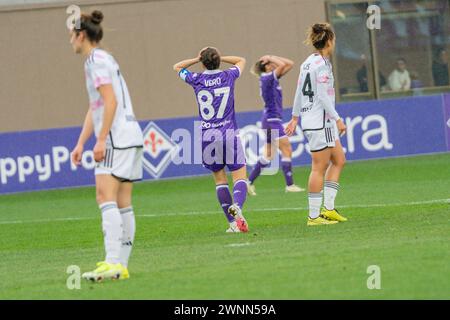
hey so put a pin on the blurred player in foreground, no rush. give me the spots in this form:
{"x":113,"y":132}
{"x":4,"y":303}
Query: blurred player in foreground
{"x":221,"y":144}
{"x":269,"y":70}
{"x":118,"y":150}
{"x":315,"y":104}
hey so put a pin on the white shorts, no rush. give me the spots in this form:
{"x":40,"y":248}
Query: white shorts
{"x":324,"y":138}
{"x":125,"y":165}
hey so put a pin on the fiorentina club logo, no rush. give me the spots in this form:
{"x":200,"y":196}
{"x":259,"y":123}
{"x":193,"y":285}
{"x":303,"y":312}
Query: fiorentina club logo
{"x":158,"y":149}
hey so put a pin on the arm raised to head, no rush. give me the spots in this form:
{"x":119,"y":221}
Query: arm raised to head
{"x":185,"y":64}
{"x":283,"y":65}
{"x":237,"y":61}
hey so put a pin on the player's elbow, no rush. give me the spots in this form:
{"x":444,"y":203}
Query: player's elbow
{"x":289,"y":65}
{"x":241,"y":64}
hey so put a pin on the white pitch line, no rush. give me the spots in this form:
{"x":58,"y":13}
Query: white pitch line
{"x":234,"y":245}
{"x":44,"y":220}
{"x":189,"y":213}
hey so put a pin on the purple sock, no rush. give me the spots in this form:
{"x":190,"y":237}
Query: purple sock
{"x":240,"y":192}
{"x":262,"y":163}
{"x":225,"y":200}
{"x":286,"y":164}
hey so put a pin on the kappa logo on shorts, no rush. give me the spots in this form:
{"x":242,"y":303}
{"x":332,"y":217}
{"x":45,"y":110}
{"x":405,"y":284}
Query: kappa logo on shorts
{"x":158,"y":149}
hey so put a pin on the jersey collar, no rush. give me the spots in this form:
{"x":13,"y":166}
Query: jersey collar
{"x":212,"y":71}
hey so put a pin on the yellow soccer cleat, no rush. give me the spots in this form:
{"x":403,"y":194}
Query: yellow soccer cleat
{"x":293,"y":188}
{"x":125,"y":274}
{"x":333,"y":215}
{"x":319,"y":221}
{"x":104,"y":271}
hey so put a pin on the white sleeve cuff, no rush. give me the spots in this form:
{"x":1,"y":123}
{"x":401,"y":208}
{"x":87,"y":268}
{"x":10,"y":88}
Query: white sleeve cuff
{"x":275,"y":75}
{"x":238,"y":69}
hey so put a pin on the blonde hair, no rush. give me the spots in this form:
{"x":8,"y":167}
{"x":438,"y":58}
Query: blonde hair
{"x":319,"y":34}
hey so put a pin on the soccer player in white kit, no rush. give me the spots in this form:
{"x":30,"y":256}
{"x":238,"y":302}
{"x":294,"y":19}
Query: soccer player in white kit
{"x":315,"y":105}
{"x":118,"y":148}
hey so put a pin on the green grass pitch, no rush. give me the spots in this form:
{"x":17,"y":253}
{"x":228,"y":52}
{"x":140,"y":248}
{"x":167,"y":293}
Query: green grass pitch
{"x":399,"y":220}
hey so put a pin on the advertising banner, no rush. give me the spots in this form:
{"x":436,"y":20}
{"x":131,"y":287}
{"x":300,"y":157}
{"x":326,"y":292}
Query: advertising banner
{"x":40,"y":160}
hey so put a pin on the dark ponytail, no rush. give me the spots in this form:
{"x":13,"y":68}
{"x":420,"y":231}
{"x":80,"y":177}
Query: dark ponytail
{"x":319,"y":34}
{"x":91,"y":24}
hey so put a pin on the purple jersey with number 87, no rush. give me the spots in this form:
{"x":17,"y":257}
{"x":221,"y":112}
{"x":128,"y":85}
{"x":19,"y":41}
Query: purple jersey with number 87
{"x":214,"y":90}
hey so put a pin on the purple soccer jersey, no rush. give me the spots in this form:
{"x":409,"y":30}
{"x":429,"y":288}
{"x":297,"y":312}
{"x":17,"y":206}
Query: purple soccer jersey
{"x":214,"y":91}
{"x":273,"y":108}
{"x":272,"y":95}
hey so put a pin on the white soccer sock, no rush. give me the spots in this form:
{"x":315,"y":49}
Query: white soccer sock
{"x":129,"y":229}
{"x":264,"y":161}
{"x":331,"y":189}
{"x":112,"y":231}
{"x":315,"y":201}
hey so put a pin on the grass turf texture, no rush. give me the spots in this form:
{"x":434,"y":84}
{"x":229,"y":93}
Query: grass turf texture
{"x":182,"y":252}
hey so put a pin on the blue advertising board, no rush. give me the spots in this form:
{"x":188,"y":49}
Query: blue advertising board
{"x":40,"y":160}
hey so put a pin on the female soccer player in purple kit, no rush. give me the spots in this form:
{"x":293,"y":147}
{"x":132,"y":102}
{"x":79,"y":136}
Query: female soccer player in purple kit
{"x":221,"y":145}
{"x":270,"y":69}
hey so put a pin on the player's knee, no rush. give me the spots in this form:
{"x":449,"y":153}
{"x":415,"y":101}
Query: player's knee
{"x":101,"y":197}
{"x":287,"y":152}
{"x":340,"y":163}
{"x":285,"y":148}
{"x":319,"y":168}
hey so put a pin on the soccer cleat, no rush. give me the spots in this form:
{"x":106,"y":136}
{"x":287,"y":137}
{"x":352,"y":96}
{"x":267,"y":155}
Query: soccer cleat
{"x":104,"y":271}
{"x":294,"y":188}
{"x":125,"y":274}
{"x":332,"y":215}
{"x":233,"y":228}
{"x":236,"y":212}
{"x":319,"y":221}
{"x":251,"y":190}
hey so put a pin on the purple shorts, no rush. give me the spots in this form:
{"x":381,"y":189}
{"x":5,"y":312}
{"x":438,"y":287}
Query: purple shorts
{"x":220,"y":153}
{"x":273,"y":127}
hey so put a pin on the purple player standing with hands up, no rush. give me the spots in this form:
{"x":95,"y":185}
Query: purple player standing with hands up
{"x":221,"y":145}
{"x":269,"y":70}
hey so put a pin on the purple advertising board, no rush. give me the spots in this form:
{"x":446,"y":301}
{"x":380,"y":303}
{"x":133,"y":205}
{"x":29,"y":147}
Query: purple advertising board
{"x":40,"y":160}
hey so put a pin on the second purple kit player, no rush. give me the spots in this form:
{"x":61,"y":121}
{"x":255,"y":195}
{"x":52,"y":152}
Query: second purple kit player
{"x":221,"y":145}
{"x":269,"y":69}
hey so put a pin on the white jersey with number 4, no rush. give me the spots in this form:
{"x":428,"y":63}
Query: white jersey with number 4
{"x":315,"y":97}
{"x":102,"y":69}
